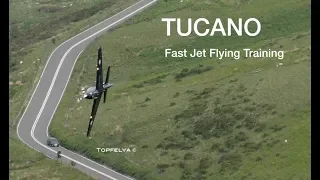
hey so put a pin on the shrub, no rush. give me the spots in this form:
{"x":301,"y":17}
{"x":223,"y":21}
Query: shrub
{"x":230,"y":161}
{"x":188,"y":156}
{"x":215,"y":146}
{"x":241,"y":136}
{"x":204,"y":163}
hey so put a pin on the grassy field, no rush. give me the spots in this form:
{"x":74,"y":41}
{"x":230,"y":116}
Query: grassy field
{"x":198,"y":118}
{"x":35,"y":29}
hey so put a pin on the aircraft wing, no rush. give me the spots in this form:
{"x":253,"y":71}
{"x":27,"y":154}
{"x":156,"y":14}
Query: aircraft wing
{"x":99,"y":77}
{"x":93,"y":113}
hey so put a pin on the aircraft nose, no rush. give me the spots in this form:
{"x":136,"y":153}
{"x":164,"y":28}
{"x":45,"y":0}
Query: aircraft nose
{"x":85,"y":95}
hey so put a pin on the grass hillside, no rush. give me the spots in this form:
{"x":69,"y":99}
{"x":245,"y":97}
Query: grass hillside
{"x":35,"y":29}
{"x":198,"y":118}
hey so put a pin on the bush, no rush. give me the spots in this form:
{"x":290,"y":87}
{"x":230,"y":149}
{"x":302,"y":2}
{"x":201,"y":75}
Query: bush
{"x":186,"y":134}
{"x":163,"y":166}
{"x":239,"y":115}
{"x":251,"y":146}
{"x":163,"y":153}
{"x":196,"y":109}
{"x":260,"y":127}
{"x":215,"y":146}
{"x":204,"y":163}
{"x":258,"y":158}
{"x":230,"y":143}
{"x":250,"y":123}
{"x":182,"y":165}
{"x":276,"y":127}
{"x":250,"y":109}
{"x":188,"y":156}
{"x":241,"y":136}
{"x":53,"y":40}
{"x":207,"y":91}
{"x":230,"y":161}
{"x":137,"y":86}
{"x":189,"y":72}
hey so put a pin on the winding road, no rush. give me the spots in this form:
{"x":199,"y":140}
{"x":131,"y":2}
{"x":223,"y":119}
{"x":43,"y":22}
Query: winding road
{"x":33,"y":125}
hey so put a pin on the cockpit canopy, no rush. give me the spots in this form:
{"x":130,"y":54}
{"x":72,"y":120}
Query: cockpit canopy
{"x":90,"y":90}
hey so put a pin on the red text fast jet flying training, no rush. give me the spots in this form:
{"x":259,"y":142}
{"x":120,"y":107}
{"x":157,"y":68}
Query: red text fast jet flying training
{"x":95,"y":92}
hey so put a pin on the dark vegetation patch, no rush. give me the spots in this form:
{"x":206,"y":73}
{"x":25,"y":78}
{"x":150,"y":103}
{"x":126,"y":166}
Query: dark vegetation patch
{"x":188,"y":135}
{"x":177,"y":143}
{"x":176,"y":95}
{"x":241,"y":88}
{"x":162,"y":167}
{"x":276,"y":127}
{"x":251,"y":147}
{"x":143,"y":105}
{"x":241,"y":136}
{"x":230,"y":161}
{"x":205,"y":93}
{"x":195,"y":109}
{"x":49,"y":8}
{"x":153,"y":81}
{"x":144,"y":146}
{"x":259,"y":158}
{"x":265,"y":135}
{"x":175,"y":156}
{"x":204,"y":163}
{"x":188,"y":156}
{"x":215,"y":146}
{"x":260,"y":127}
{"x":193,"y":71}
{"x":163,"y":153}
{"x":230,"y":143}
{"x":233,"y":80}
{"x":190,"y":92}
{"x":211,"y":126}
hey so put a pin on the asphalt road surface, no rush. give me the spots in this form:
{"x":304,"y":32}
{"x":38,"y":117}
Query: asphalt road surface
{"x":33,"y":125}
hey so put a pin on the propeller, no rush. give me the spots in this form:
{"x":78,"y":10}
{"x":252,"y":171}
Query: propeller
{"x":107,"y":81}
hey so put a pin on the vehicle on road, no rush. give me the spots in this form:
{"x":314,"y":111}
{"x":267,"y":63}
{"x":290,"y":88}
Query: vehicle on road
{"x":53,"y":142}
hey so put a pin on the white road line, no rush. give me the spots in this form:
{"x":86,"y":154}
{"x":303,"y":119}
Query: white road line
{"x":51,"y":86}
